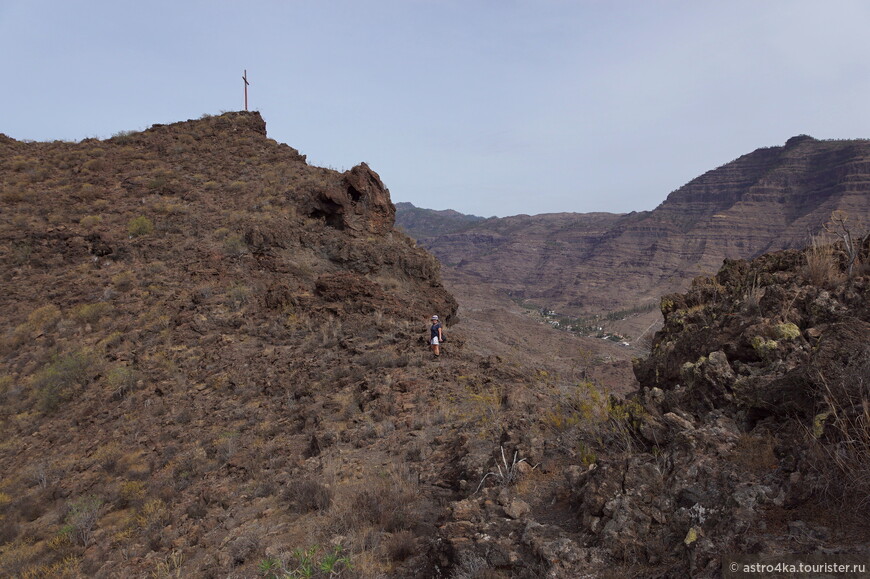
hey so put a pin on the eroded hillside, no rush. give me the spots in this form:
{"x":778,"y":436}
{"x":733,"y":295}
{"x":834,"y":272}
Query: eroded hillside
{"x":213,"y":364}
{"x":182,"y":309}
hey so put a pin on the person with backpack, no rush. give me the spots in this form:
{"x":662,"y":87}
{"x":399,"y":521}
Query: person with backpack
{"x":436,"y":336}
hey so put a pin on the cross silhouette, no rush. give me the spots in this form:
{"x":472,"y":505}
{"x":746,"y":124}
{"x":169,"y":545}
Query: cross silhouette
{"x":245,"y":78}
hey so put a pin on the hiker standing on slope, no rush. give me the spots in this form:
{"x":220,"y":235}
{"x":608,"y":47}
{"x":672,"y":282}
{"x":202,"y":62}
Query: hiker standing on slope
{"x":435,"y":336}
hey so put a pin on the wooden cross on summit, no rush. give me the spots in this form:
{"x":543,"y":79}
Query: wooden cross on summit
{"x":245,"y":78}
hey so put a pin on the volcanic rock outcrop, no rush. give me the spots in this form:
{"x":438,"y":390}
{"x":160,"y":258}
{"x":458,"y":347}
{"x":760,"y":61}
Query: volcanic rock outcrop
{"x":748,"y":436}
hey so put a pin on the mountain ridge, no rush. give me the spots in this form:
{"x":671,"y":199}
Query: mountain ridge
{"x":772,"y":198}
{"x":192,"y":313}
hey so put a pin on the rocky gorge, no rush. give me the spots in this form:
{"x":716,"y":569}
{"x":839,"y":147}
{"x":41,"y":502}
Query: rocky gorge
{"x":770,"y":199}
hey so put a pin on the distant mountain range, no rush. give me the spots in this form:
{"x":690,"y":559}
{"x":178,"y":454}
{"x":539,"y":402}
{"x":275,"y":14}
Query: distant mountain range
{"x":432,"y":222}
{"x":773,"y":198}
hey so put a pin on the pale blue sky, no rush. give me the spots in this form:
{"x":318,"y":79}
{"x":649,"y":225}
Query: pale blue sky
{"x":488,"y":107}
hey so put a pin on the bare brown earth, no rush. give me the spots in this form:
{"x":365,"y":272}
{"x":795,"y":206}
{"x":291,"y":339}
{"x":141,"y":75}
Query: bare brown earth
{"x":213,"y":363}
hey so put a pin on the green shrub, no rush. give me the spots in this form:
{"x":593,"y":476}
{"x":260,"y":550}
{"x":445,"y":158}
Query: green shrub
{"x":271,"y":567}
{"x":311,"y":562}
{"x":121,"y":380}
{"x":91,"y":313}
{"x":44,"y":317}
{"x":131,"y":492}
{"x":598,"y":417}
{"x":22,"y":251}
{"x":88,"y":192}
{"x":95,"y":165}
{"x":123,"y":281}
{"x":763,"y":346}
{"x":90,"y":221}
{"x":238,"y":296}
{"x":83,"y":515}
{"x":140,"y":226}
{"x":56,"y":381}
{"x":234,"y":245}
{"x":107,"y":455}
{"x":161,"y":183}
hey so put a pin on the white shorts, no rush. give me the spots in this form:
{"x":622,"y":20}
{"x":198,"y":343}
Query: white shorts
{"x":434,"y":341}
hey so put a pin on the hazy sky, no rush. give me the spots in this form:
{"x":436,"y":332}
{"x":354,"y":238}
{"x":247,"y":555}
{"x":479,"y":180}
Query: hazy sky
{"x":490,"y":107}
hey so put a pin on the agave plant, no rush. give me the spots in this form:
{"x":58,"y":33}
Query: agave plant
{"x":509,"y":475}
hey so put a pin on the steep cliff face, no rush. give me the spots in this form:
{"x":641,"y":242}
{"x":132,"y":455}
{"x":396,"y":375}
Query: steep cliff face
{"x":770,"y":199}
{"x":536,"y":257}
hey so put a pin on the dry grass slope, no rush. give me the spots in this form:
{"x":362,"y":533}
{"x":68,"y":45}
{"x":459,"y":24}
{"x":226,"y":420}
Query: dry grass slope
{"x":213,"y":364}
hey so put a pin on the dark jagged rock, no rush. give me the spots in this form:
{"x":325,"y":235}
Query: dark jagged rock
{"x":727,"y":448}
{"x":750,"y":379}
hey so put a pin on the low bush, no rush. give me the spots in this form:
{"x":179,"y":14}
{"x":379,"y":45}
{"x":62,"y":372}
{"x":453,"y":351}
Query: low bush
{"x":840,"y":437}
{"x":124,"y":281}
{"x":139,"y":226}
{"x":44,"y":318}
{"x":107,"y":456}
{"x":121,"y":381}
{"x":401,"y":545}
{"x":595,"y":416}
{"x":238,"y":296}
{"x":307,"y":495}
{"x":95,"y":165}
{"x":83,"y":515}
{"x":91,"y":313}
{"x":130,"y":493}
{"x":822,"y":267}
{"x":234,"y":245}
{"x":57,"y":381}
{"x":90,"y":221}
{"x":310,"y":562}
{"x":387,"y":505}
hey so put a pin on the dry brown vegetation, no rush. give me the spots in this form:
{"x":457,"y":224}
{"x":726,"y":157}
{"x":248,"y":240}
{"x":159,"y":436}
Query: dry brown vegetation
{"x":203,"y":370}
{"x":213,"y":363}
